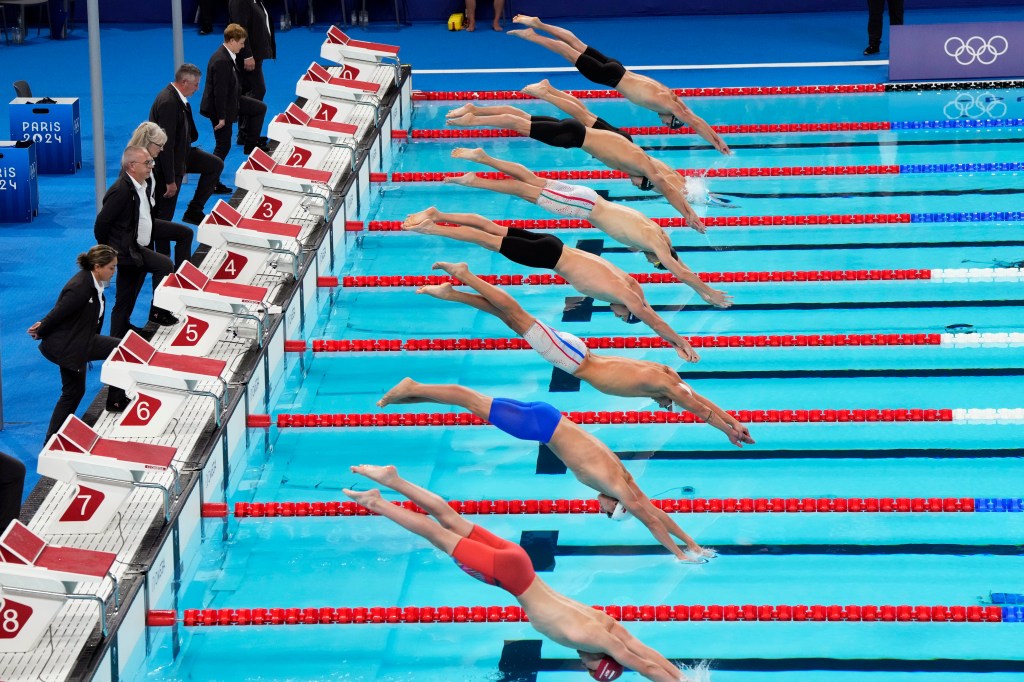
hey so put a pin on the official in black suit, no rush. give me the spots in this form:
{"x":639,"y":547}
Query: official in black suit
{"x":70,"y":333}
{"x":172,"y":112}
{"x":12,"y":487}
{"x":223,"y":102}
{"x":126,"y":224}
{"x":876,"y":8}
{"x":252,"y":15}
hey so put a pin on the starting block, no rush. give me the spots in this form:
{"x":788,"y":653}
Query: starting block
{"x":319,"y":81}
{"x":112,"y":469}
{"x":249,"y":243}
{"x":37,"y":578}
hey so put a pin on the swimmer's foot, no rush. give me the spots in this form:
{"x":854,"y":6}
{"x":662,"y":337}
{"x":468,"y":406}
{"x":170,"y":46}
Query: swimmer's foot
{"x":526,"y":20}
{"x":441,"y":291}
{"x":466,"y":179}
{"x":537,"y":89}
{"x":524,"y":33}
{"x":402,"y":392}
{"x":456,"y":270}
{"x":367,"y":498}
{"x":426,"y":214}
{"x":478,"y":154}
{"x":385,"y":475}
{"x":717,"y":298}
{"x":692,"y":558}
{"x":467,"y":108}
{"x":466,"y":119}
{"x":423,"y":227}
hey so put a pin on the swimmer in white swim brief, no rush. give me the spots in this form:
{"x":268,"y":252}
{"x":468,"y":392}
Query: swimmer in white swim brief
{"x":564,"y":351}
{"x":571,"y":201}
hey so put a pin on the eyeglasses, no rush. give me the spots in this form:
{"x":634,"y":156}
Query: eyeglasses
{"x":158,"y":146}
{"x":149,"y":163}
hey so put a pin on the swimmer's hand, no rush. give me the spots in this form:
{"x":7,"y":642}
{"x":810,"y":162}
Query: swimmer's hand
{"x":717,"y":298}
{"x":738,"y":434}
{"x":694,"y":221}
{"x":688,"y":353}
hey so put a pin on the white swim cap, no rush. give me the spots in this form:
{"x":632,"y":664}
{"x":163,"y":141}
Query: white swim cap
{"x":620,"y":513}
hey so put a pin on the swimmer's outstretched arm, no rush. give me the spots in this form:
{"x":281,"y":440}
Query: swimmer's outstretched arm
{"x":680,"y":271}
{"x":641,"y":509}
{"x":712,"y":414}
{"x":672,"y":186}
{"x":646,"y":314}
{"x":699,"y":125}
{"x":635,"y":655}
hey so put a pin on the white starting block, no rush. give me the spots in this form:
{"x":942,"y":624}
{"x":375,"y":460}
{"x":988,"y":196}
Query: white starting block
{"x":112,"y":468}
{"x":299,"y":125}
{"x":319,"y":81}
{"x":249,"y":244}
{"x":160,"y":381}
{"x":36,"y":578}
{"x":339,"y":48}
{"x":209,"y":307}
{"x":260,"y":172}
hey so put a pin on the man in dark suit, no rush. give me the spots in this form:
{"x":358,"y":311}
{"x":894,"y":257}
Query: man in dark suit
{"x":223,"y":102}
{"x":70,"y":331}
{"x":252,"y":15}
{"x":125,"y":222}
{"x":172,"y":112}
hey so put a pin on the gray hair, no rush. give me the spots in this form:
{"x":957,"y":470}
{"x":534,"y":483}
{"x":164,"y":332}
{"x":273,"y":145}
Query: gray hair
{"x":187,"y":71}
{"x":130,"y":154}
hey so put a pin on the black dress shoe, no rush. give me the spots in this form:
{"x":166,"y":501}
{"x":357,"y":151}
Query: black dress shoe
{"x":249,"y":149}
{"x":205,"y":30}
{"x":117,"y":401}
{"x":162,"y":318}
{"x":193,"y":217}
{"x":221,"y":188}
{"x":871,"y":49}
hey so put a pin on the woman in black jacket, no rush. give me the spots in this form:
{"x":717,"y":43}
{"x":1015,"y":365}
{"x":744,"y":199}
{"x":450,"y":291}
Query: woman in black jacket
{"x":70,"y":333}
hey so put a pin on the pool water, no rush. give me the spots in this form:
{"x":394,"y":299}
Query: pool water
{"x":785,"y":558}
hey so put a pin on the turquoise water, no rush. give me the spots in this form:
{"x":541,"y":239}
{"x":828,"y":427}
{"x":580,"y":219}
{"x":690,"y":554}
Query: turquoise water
{"x":952,"y":559}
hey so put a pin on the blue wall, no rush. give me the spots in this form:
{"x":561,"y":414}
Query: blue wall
{"x":134,"y":11}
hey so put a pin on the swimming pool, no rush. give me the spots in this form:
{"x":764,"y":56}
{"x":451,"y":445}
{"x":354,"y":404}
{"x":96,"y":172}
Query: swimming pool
{"x":960,"y":226}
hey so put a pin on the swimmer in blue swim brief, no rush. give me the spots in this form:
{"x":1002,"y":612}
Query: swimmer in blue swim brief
{"x":590,"y":460}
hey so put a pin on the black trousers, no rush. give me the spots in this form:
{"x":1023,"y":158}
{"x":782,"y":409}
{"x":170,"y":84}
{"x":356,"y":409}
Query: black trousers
{"x":130,"y":278}
{"x":164,"y":234}
{"x":875,"y":10}
{"x":253,"y":83}
{"x":208,"y":167}
{"x":251,"y":113}
{"x":73,"y":383}
{"x":12,"y":487}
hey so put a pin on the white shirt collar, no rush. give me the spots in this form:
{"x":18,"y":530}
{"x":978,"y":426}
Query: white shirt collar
{"x":184,"y":100}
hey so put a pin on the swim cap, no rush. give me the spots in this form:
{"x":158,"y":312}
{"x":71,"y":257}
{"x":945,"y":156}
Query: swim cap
{"x":620,"y":513}
{"x":607,"y":669}
{"x":646,"y":184}
{"x":632,"y":319}
{"x":661,"y":266}
{"x":675,"y":123}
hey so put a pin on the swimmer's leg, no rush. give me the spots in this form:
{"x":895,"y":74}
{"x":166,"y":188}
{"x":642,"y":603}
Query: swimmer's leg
{"x":505,"y":307}
{"x":561,"y":35}
{"x":408,"y":391}
{"x":445,"y":536}
{"x":498,"y":110}
{"x":474,"y":220}
{"x":563,"y":100}
{"x":510,"y":121}
{"x":516,"y":171}
{"x":516,"y":188}
{"x":427,"y":226}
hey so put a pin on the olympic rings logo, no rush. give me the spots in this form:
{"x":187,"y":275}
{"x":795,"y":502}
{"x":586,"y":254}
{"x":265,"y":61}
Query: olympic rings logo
{"x":970,"y":106}
{"x":976,"y":49}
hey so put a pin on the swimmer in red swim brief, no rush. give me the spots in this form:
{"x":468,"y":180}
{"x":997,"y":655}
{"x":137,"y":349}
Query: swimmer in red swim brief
{"x":499,"y":562}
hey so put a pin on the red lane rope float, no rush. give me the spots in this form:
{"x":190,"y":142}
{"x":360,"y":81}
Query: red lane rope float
{"x":773,"y":171}
{"x":711,"y":221}
{"x":454,"y":95}
{"x":791,"y":505}
{"x":360,"y":615}
{"x":845,"y":126}
{"x":599,"y":342}
{"x":377,"y":419}
{"x":380,"y":281}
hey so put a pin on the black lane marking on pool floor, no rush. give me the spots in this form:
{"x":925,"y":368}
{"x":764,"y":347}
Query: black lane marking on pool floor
{"x":840,"y":145}
{"x":521,"y":661}
{"x":543,"y":548}
{"x":835,"y":247}
{"x":563,"y":382}
{"x":581,"y":309}
{"x":549,"y":464}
